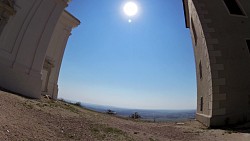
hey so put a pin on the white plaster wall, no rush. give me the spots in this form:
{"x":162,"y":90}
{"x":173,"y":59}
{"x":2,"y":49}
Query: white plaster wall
{"x":56,"y":49}
{"x":23,"y":44}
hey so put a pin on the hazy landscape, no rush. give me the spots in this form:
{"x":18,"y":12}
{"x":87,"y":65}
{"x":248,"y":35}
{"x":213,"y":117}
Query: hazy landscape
{"x":52,"y":120}
{"x":149,"y":115}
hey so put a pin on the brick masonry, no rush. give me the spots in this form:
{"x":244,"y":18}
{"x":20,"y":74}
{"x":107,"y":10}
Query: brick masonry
{"x":208,"y":52}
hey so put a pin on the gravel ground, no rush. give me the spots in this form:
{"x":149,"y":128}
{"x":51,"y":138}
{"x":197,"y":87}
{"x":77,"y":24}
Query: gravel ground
{"x":39,"y":120}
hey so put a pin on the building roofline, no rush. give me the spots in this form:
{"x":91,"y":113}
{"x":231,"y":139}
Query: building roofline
{"x":186,"y":13}
{"x":77,"y":21}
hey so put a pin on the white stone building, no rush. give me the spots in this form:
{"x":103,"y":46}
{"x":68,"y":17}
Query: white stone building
{"x":33,"y":36}
{"x":54,"y":54}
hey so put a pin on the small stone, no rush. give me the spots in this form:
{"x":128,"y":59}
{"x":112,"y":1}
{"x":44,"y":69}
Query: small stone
{"x":136,"y":132}
{"x":180,"y":123}
{"x":8,"y":131}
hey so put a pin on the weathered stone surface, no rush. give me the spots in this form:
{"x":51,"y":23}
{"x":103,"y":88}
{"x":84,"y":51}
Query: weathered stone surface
{"x":221,"y":48}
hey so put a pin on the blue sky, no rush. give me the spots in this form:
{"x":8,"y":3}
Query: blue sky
{"x":145,"y":64}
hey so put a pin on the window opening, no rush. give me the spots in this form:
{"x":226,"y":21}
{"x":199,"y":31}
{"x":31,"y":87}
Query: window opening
{"x":234,"y":7}
{"x":200,"y":70}
{"x":201,"y":106}
{"x":248,"y":45}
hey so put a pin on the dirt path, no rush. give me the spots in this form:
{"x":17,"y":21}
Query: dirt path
{"x":26,"y":119}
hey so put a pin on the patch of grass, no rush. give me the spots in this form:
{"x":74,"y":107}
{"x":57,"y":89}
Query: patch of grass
{"x":53,"y":104}
{"x":102,"y":132}
{"x":72,"y":136}
{"x":110,"y":130}
{"x":229,"y":132}
{"x":77,"y":104}
{"x":41,"y":105}
{"x":66,"y":107}
{"x":49,"y":103}
{"x":28,"y":105}
{"x":151,"y":139}
{"x":70,"y":108}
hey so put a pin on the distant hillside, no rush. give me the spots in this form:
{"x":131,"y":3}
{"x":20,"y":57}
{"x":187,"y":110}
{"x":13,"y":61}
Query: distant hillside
{"x":158,"y":115}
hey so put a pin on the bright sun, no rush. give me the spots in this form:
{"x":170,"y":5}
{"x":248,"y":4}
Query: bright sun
{"x":130,"y":9}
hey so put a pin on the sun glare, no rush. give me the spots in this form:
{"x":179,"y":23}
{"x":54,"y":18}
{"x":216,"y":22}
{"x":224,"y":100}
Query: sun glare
{"x":130,"y":9}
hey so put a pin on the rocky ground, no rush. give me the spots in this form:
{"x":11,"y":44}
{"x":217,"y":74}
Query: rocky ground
{"x":26,"y":119}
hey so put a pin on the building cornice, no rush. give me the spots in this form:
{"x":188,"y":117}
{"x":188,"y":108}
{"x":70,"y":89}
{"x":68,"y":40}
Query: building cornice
{"x":186,"y":13}
{"x":69,"y":18}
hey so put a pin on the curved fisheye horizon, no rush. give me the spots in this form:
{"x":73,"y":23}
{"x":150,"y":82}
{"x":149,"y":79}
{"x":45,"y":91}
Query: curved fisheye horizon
{"x":136,"y":66}
{"x":122,"y":70}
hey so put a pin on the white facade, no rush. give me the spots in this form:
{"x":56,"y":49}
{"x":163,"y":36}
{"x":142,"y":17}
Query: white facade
{"x":26,"y":33}
{"x":54,"y":54}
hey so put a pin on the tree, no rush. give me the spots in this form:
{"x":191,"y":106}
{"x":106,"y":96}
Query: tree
{"x":135,"y":116}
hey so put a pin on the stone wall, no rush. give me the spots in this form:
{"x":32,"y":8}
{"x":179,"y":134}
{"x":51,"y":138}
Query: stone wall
{"x":222,"y":50}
